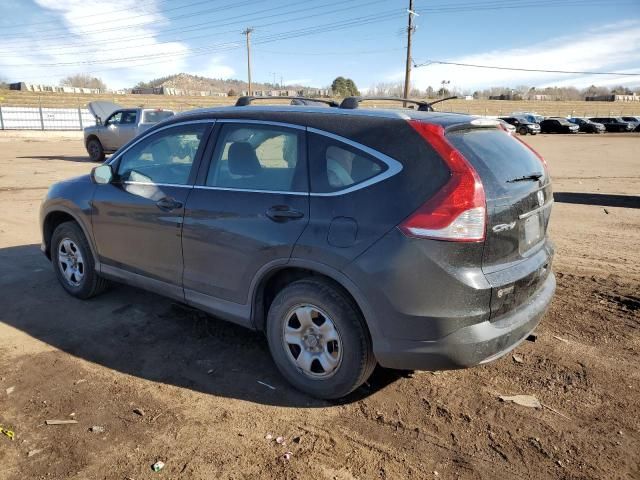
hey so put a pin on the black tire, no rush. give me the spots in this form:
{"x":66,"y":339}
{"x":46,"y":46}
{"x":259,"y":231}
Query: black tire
{"x":357,"y":359}
{"x":96,"y":152}
{"x":522,"y":131}
{"x":89,"y":284}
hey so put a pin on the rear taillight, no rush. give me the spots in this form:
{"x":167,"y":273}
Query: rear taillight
{"x":458,"y":211}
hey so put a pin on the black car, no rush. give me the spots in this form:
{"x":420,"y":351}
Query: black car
{"x":350,"y":236}
{"x":587,"y":126}
{"x":558,"y":125}
{"x":613,"y":124}
{"x":634,"y":121}
{"x":523,"y":126}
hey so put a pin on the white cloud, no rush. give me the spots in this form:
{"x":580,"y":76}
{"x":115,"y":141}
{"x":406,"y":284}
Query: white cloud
{"x":88,"y":37}
{"x":215,"y":69}
{"x":603,"y":49}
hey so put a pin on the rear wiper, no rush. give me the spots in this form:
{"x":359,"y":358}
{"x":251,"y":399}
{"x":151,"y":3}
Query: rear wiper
{"x":532,"y":176}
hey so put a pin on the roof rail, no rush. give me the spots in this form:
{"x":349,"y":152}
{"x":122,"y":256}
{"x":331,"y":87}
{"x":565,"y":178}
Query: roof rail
{"x":423,"y":106}
{"x":246,"y":100}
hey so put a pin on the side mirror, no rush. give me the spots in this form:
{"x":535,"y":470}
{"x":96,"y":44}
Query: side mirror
{"x":102,"y":175}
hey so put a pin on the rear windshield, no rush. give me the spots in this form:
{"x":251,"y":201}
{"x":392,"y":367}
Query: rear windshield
{"x":155,"y":116}
{"x":497,"y":157}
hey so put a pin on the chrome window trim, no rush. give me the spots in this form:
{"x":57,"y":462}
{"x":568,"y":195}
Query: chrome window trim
{"x":152,"y":184}
{"x":261,"y":122}
{"x":249,"y":190}
{"x":147,"y":134}
{"x":393,"y":166}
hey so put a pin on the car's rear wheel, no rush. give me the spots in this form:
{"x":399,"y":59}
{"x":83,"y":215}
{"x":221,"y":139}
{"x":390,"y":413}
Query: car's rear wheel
{"x":318,"y":339}
{"x":73,"y":262}
{"x":522,"y":131}
{"x":96,"y":152}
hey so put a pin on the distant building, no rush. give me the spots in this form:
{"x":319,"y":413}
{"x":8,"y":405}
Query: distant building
{"x":506,"y":96}
{"x":33,"y":87}
{"x":614,"y":98}
{"x":162,"y":90}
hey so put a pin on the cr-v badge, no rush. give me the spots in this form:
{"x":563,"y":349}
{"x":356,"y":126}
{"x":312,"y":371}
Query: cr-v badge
{"x":503,"y":227}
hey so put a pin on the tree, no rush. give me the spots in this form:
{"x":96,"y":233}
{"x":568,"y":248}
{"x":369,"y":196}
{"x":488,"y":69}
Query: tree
{"x":83,"y":80}
{"x":344,"y":87}
{"x":231,"y":93}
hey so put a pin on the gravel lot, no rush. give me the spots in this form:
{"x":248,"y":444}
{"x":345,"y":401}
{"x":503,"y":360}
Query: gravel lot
{"x":195,"y":379}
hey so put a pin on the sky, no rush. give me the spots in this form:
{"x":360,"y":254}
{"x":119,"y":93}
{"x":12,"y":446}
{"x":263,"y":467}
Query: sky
{"x":311,"y":42}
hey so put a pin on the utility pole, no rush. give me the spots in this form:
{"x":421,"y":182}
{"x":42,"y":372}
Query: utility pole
{"x":407,"y":72}
{"x":247,"y":32}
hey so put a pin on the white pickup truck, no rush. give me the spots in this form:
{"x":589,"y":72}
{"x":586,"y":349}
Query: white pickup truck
{"x":116,"y":126}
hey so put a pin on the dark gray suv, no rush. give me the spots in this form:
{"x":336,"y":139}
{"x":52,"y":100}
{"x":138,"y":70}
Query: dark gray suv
{"x":349,"y":236}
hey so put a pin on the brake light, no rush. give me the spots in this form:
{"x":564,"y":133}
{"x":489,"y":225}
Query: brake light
{"x":544,"y":162}
{"x":458,"y":211}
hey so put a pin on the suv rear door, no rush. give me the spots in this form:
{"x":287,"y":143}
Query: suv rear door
{"x":248,"y":208}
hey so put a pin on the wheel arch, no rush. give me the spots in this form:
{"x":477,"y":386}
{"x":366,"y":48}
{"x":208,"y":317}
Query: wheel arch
{"x":92,"y":136}
{"x":272,"y":279}
{"x":56,"y":217}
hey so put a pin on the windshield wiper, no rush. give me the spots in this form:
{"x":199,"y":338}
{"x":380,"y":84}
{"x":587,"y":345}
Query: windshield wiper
{"x":525,"y":178}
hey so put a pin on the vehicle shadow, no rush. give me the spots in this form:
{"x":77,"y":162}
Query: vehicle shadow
{"x":599,"y":199}
{"x":66,"y":158}
{"x":151,"y":337}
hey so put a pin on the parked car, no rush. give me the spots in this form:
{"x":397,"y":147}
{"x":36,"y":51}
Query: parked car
{"x":350,"y":237}
{"x":510,"y":129}
{"x":558,"y":125}
{"x":522,"y":125}
{"x":529,"y":116}
{"x":587,"y":126}
{"x":613,"y":124}
{"x":116,"y":126}
{"x":635,"y":121}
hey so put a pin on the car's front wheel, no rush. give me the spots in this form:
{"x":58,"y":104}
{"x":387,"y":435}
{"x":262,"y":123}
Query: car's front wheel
{"x":318,"y":339}
{"x":95,"y":149}
{"x":73,"y":262}
{"x":522,"y":131}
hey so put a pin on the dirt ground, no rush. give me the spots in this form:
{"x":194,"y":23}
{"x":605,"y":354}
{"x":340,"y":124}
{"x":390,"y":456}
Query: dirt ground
{"x":196,"y":379}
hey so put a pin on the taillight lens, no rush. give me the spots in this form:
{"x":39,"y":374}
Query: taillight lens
{"x":458,"y":211}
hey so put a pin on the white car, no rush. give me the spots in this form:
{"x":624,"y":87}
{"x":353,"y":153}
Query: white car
{"x":116,"y":126}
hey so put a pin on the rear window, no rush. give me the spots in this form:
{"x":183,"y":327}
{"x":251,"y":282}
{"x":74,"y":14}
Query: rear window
{"x":497,"y":158}
{"x":155,"y":116}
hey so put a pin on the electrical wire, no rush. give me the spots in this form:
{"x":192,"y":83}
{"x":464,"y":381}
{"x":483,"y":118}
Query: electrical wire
{"x":494,"y":67}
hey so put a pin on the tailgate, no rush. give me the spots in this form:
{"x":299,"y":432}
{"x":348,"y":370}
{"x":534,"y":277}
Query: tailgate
{"x":516,"y":256}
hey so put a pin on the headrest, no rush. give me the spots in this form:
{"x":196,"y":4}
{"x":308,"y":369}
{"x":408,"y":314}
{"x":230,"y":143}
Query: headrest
{"x":243,"y":160}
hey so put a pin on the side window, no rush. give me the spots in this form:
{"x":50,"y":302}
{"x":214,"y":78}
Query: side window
{"x":163,"y":157}
{"x":114,"y":119}
{"x":337,"y":166}
{"x":258,"y":157}
{"x":128,"y":118}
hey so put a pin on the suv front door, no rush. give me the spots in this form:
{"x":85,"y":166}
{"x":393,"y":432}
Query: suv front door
{"x":137,"y":219}
{"x":247,"y":210}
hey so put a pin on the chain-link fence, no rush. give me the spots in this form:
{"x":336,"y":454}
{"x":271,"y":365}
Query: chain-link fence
{"x":43,"y":118}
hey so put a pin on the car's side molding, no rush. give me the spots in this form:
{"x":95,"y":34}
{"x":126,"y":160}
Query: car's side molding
{"x":142,"y":281}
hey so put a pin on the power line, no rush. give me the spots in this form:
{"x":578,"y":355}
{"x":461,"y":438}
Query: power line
{"x":494,"y":67}
{"x":359,"y":21}
{"x":210,"y":25}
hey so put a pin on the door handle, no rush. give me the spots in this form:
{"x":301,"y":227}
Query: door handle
{"x":168,"y":204}
{"x":283,"y":213}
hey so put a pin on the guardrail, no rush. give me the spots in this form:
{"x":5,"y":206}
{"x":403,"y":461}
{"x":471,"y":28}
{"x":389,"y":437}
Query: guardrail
{"x":42,"y":118}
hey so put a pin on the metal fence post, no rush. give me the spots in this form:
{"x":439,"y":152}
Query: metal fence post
{"x":41,"y":118}
{"x":80,"y":117}
{"x":1,"y":119}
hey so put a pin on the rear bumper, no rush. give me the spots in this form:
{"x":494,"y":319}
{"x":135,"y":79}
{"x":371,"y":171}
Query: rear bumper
{"x":473,"y":344}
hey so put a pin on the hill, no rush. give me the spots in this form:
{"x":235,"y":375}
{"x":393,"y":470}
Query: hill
{"x":195,"y":83}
